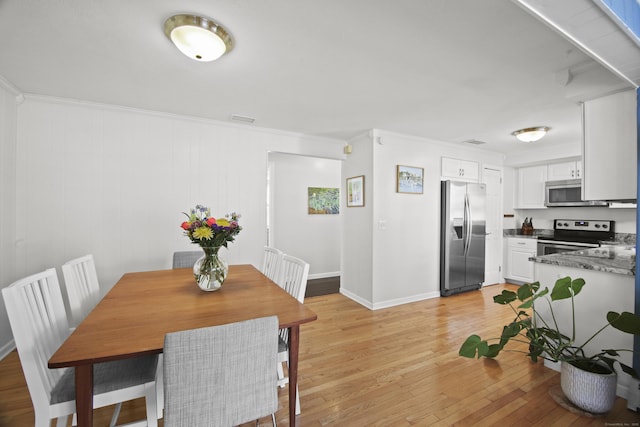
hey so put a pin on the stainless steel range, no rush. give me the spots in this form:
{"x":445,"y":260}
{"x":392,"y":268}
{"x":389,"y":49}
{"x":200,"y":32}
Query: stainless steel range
{"x":571,"y":235}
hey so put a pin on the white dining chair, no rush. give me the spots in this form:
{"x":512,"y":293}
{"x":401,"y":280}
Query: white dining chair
{"x":292,"y":277}
{"x":186,"y":259}
{"x":82,"y":287}
{"x":221,"y":375}
{"x":39,"y":324}
{"x":271,"y":262}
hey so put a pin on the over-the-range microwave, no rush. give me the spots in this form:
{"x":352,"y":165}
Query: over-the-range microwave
{"x":567,"y":193}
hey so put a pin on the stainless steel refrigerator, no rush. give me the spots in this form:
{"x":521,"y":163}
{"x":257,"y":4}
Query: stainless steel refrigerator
{"x":462,"y":237}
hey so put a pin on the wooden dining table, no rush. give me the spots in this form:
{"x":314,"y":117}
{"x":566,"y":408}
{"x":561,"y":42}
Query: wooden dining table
{"x":141,"y":308}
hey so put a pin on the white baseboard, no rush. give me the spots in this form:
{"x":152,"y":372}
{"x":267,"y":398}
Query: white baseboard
{"x":356,"y":298}
{"x":406,"y":300}
{"x":7,"y":348}
{"x":323,"y":275}
{"x":388,"y":303}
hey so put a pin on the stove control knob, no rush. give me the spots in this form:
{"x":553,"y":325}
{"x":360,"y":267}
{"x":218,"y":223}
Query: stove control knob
{"x":598,"y":226}
{"x":604,"y":226}
{"x":565,"y":224}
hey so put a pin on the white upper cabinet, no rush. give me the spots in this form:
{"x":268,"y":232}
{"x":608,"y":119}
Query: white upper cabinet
{"x":564,"y":170}
{"x":530,"y":188}
{"x":460,"y":170}
{"x":609,"y":147}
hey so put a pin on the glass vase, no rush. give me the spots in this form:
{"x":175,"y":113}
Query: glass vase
{"x":210,"y":270}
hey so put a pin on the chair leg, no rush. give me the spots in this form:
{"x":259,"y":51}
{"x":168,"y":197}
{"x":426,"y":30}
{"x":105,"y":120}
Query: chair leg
{"x":160,"y":386}
{"x":281,"y":378}
{"x":297,"y":400}
{"x":151,"y":402}
{"x":116,"y":414}
{"x":273,"y":420}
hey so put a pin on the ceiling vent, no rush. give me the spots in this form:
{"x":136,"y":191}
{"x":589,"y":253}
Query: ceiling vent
{"x":242,"y":119}
{"x":473,"y":142}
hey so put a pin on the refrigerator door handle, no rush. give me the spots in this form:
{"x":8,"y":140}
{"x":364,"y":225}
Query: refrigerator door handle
{"x":466,"y":235}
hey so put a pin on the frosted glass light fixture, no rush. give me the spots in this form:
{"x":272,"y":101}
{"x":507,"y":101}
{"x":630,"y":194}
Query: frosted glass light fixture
{"x":531,"y":134}
{"x":197,"y":37}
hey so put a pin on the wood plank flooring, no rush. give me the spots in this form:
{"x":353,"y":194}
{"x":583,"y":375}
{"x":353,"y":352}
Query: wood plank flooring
{"x":392,"y":367}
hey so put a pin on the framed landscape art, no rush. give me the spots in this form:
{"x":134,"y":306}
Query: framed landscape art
{"x":409,"y":179}
{"x":355,"y":191}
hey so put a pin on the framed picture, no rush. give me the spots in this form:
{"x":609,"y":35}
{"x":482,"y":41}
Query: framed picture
{"x":323,"y":201}
{"x":409,"y":179}
{"x":355,"y":191}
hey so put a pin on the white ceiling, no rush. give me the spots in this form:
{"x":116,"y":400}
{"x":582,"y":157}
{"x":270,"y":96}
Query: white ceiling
{"x":451,"y":70}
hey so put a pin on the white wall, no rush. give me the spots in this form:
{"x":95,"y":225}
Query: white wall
{"x":114,"y":182}
{"x":405,"y":248}
{"x":356,"y":280}
{"x":8,"y":135}
{"x":314,"y":238}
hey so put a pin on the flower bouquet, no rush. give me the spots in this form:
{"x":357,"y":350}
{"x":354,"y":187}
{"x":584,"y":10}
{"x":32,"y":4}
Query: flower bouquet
{"x":211,"y":234}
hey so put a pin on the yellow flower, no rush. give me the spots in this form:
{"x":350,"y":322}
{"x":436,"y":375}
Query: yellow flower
{"x":222,"y":222}
{"x":203,"y":233}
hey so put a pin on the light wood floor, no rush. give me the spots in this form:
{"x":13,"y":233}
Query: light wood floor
{"x":392,"y":367}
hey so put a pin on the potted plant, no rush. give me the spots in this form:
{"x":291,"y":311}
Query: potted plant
{"x":547,"y":341}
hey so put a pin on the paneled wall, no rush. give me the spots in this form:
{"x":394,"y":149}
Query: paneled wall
{"x":114,"y":182}
{"x":8,"y":114}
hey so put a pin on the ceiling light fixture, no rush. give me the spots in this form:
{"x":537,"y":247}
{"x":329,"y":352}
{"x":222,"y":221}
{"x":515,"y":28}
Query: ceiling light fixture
{"x":197,"y":37}
{"x":531,"y":134}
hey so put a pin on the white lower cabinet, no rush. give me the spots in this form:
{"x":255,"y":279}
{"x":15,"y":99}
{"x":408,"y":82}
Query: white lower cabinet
{"x":519,"y":268}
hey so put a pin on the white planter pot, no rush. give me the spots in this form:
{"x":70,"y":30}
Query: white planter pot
{"x":595,"y":393}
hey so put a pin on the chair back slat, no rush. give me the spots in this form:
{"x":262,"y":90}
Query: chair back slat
{"x":293,"y":276}
{"x":186,"y":259}
{"x":293,"y":279}
{"x":271,"y":262}
{"x":39,"y":324}
{"x":83,"y":289}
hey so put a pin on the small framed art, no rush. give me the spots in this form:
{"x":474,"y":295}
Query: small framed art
{"x":409,"y":179}
{"x":323,"y":201}
{"x":355,"y":191}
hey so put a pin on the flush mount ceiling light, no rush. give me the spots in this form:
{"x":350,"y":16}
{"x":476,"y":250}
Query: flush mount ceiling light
{"x":197,"y":37}
{"x":531,"y":134}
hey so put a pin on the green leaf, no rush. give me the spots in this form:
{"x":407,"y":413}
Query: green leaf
{"x":493,"y":350}
{"x":629,"y":370}
{"x":566,"y":288}
{"x":527,"y":290}
{"x":505,"y":297}
{"x":577,"y":285}
{"x":483,"y":349}
{"x":561,"y":289}
{"x":469,"y":347}
{"x":530,"y":301}
{"x":625,"y":322}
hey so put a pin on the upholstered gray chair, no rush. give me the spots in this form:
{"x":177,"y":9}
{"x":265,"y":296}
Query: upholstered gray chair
{"x":221,"y":375}
{"x":184,"y":259}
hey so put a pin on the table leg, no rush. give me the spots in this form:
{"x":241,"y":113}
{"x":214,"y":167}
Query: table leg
{"x":84,"y":395}
{"x":294,"y":344}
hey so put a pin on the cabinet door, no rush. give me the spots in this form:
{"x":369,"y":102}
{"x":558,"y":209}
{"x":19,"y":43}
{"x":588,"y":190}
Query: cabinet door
{"x":461,"y":170}
{"x":561,"y":171}
{"x":531,"y":187}
{"x":518,"y":265}
{"x":470,"y":170}
{"x":609,"y":147}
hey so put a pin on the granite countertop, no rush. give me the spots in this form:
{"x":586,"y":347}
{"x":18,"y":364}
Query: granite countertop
{"x":618,"y":259}
{"x":537,"y":233}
